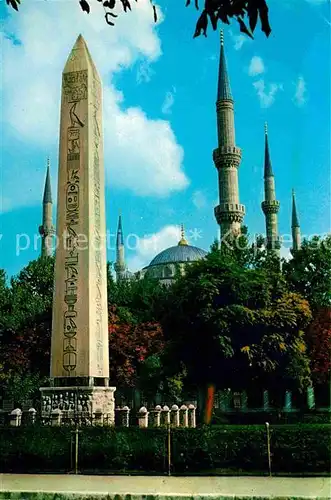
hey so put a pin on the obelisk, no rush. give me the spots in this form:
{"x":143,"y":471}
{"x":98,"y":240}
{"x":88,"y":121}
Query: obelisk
{"x":79,"y":349}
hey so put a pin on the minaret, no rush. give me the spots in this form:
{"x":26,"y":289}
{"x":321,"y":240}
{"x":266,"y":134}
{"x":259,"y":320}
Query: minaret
{"x":270,"y":205}
{"x":46,"y":230}
{"x":79,"y":368}
{"x":296,"y":236}
{"x":227,"y":156}
{"x":120,"y":260}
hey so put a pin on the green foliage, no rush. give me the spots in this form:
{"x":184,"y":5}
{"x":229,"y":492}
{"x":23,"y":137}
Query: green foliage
{"x":230,"y":449}
{"x":233,"y":325}
{"x":309,"y":272}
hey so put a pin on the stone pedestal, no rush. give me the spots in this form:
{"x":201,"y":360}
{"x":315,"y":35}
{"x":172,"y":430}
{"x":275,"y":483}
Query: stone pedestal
{"x":79,"y":403}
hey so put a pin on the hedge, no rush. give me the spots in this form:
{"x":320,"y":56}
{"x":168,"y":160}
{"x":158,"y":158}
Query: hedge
{"x":255,"y":417}
{"x":210,"y":449}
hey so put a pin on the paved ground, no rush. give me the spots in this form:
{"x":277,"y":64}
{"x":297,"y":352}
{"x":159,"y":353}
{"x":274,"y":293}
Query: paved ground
{"x":137,"y":487}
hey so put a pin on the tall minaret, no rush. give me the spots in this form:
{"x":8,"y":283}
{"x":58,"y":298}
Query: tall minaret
{"x":119,"y":265}
{"x":296,"y":236}
{"x":229,"y":213}
{"x":46,"y":230}
{"x":270,"y":205}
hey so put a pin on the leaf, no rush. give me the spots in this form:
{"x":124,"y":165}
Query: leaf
{"x":110,"y":4}
{"x":201,"y":25}
{"x":84,"y":6}
{"x":213,"y":19}
{"x":252,"y":16}
{"x":223,"y":15}
{"x":243,"y":28}
{"x":13,"y":3}
{"x":155,"y":13}
{"x":108,"y":21}
{"x":126,"y":5}
{"x":263,"y":13}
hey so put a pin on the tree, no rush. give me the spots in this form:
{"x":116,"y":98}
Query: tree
{"x":309,"y":272}
{"x":26,"y":324}
{"x":214,"y":11}
{"x":234,"y":326}
{"x":318,"y":336}
{"x":129,"y":346}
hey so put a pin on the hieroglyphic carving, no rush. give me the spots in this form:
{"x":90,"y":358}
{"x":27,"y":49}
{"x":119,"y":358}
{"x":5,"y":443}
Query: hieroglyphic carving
{"x":74,"y":90}
{"x":96,"y":92}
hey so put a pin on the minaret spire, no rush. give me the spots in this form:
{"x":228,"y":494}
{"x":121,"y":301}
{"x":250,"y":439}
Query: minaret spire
{"x":227,"y":156}
{"x":182,"y":240}
{"x":119,"y":266}
{"x":46,"y":230}
{"x":224,"y":88}
{"x":296,"y":233}
{"x":270,"y":205}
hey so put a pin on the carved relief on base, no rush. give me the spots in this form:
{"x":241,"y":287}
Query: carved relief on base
{"x":79,"y":401}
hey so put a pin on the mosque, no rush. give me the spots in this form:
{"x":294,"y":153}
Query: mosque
{"x":229,"y":213}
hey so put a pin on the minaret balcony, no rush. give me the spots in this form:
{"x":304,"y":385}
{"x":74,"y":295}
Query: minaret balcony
{"x":227,"y":156}
{"x":233,"y":212}
{"x":270,"y":207}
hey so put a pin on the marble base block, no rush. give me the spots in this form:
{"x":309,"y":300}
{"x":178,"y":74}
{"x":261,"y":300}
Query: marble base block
{"x":91,"y":403}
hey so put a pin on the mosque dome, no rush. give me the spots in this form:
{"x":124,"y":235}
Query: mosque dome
{"x":178,"y":253}
{"x":163,"y":266}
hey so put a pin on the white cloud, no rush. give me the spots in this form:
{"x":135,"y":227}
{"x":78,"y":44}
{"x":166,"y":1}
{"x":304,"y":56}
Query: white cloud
{"x":285,"y":253}
{"x":144,"y":72}
{"x":136,"y":147}
{"x":267,"y":93}
{"x":256,"y":66}
{"x":238,"y":39}
{"x":150,"y":245}
{"x":300,"y":92}
{"x":199,"y":199}
{"x":168,"y":102}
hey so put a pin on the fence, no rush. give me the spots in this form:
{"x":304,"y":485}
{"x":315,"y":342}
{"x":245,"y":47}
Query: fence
{"x":183,"y":416}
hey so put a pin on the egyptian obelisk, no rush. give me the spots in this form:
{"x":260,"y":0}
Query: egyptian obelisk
{"x":79,"y":349}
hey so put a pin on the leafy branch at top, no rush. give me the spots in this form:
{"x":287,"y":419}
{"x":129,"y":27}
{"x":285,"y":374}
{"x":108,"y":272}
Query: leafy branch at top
{"x":214,"y":11}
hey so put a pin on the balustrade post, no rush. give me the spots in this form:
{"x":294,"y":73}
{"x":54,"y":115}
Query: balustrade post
{"x":16,"y":417}
{"x":143,"y":417}
{"x":191,"y":416}
{"x":183,"y":416}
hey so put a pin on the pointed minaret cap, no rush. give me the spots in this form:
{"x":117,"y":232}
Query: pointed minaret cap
{"x":295,"y":219}
{"x":224,"y":89}
{"x":267,"y":161}
{"x":182,"y":240}
{"x":120,"y":240}
{"x":47,"y":191}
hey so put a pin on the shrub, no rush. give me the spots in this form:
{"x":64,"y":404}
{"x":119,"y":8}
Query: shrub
{"x":303,"y":448}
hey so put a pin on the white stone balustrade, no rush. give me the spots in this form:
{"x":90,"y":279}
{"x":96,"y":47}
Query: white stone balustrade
{"x":143,"y":417}
{"x":156,"y":416}
{"x":165,"y":415}
{"x":183,"y":416}
{"x":174,"y":416}
{"x":16,"y":417}
{"x":56,"y":417}
{"x":191,"y":416}
{"x":32,"y":415}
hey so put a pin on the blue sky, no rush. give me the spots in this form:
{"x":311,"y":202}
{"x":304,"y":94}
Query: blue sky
{"x":160,"y":122}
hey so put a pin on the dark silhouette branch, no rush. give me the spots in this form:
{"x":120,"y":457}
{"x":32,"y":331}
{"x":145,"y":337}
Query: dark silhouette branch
{"x":213,"y":11}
